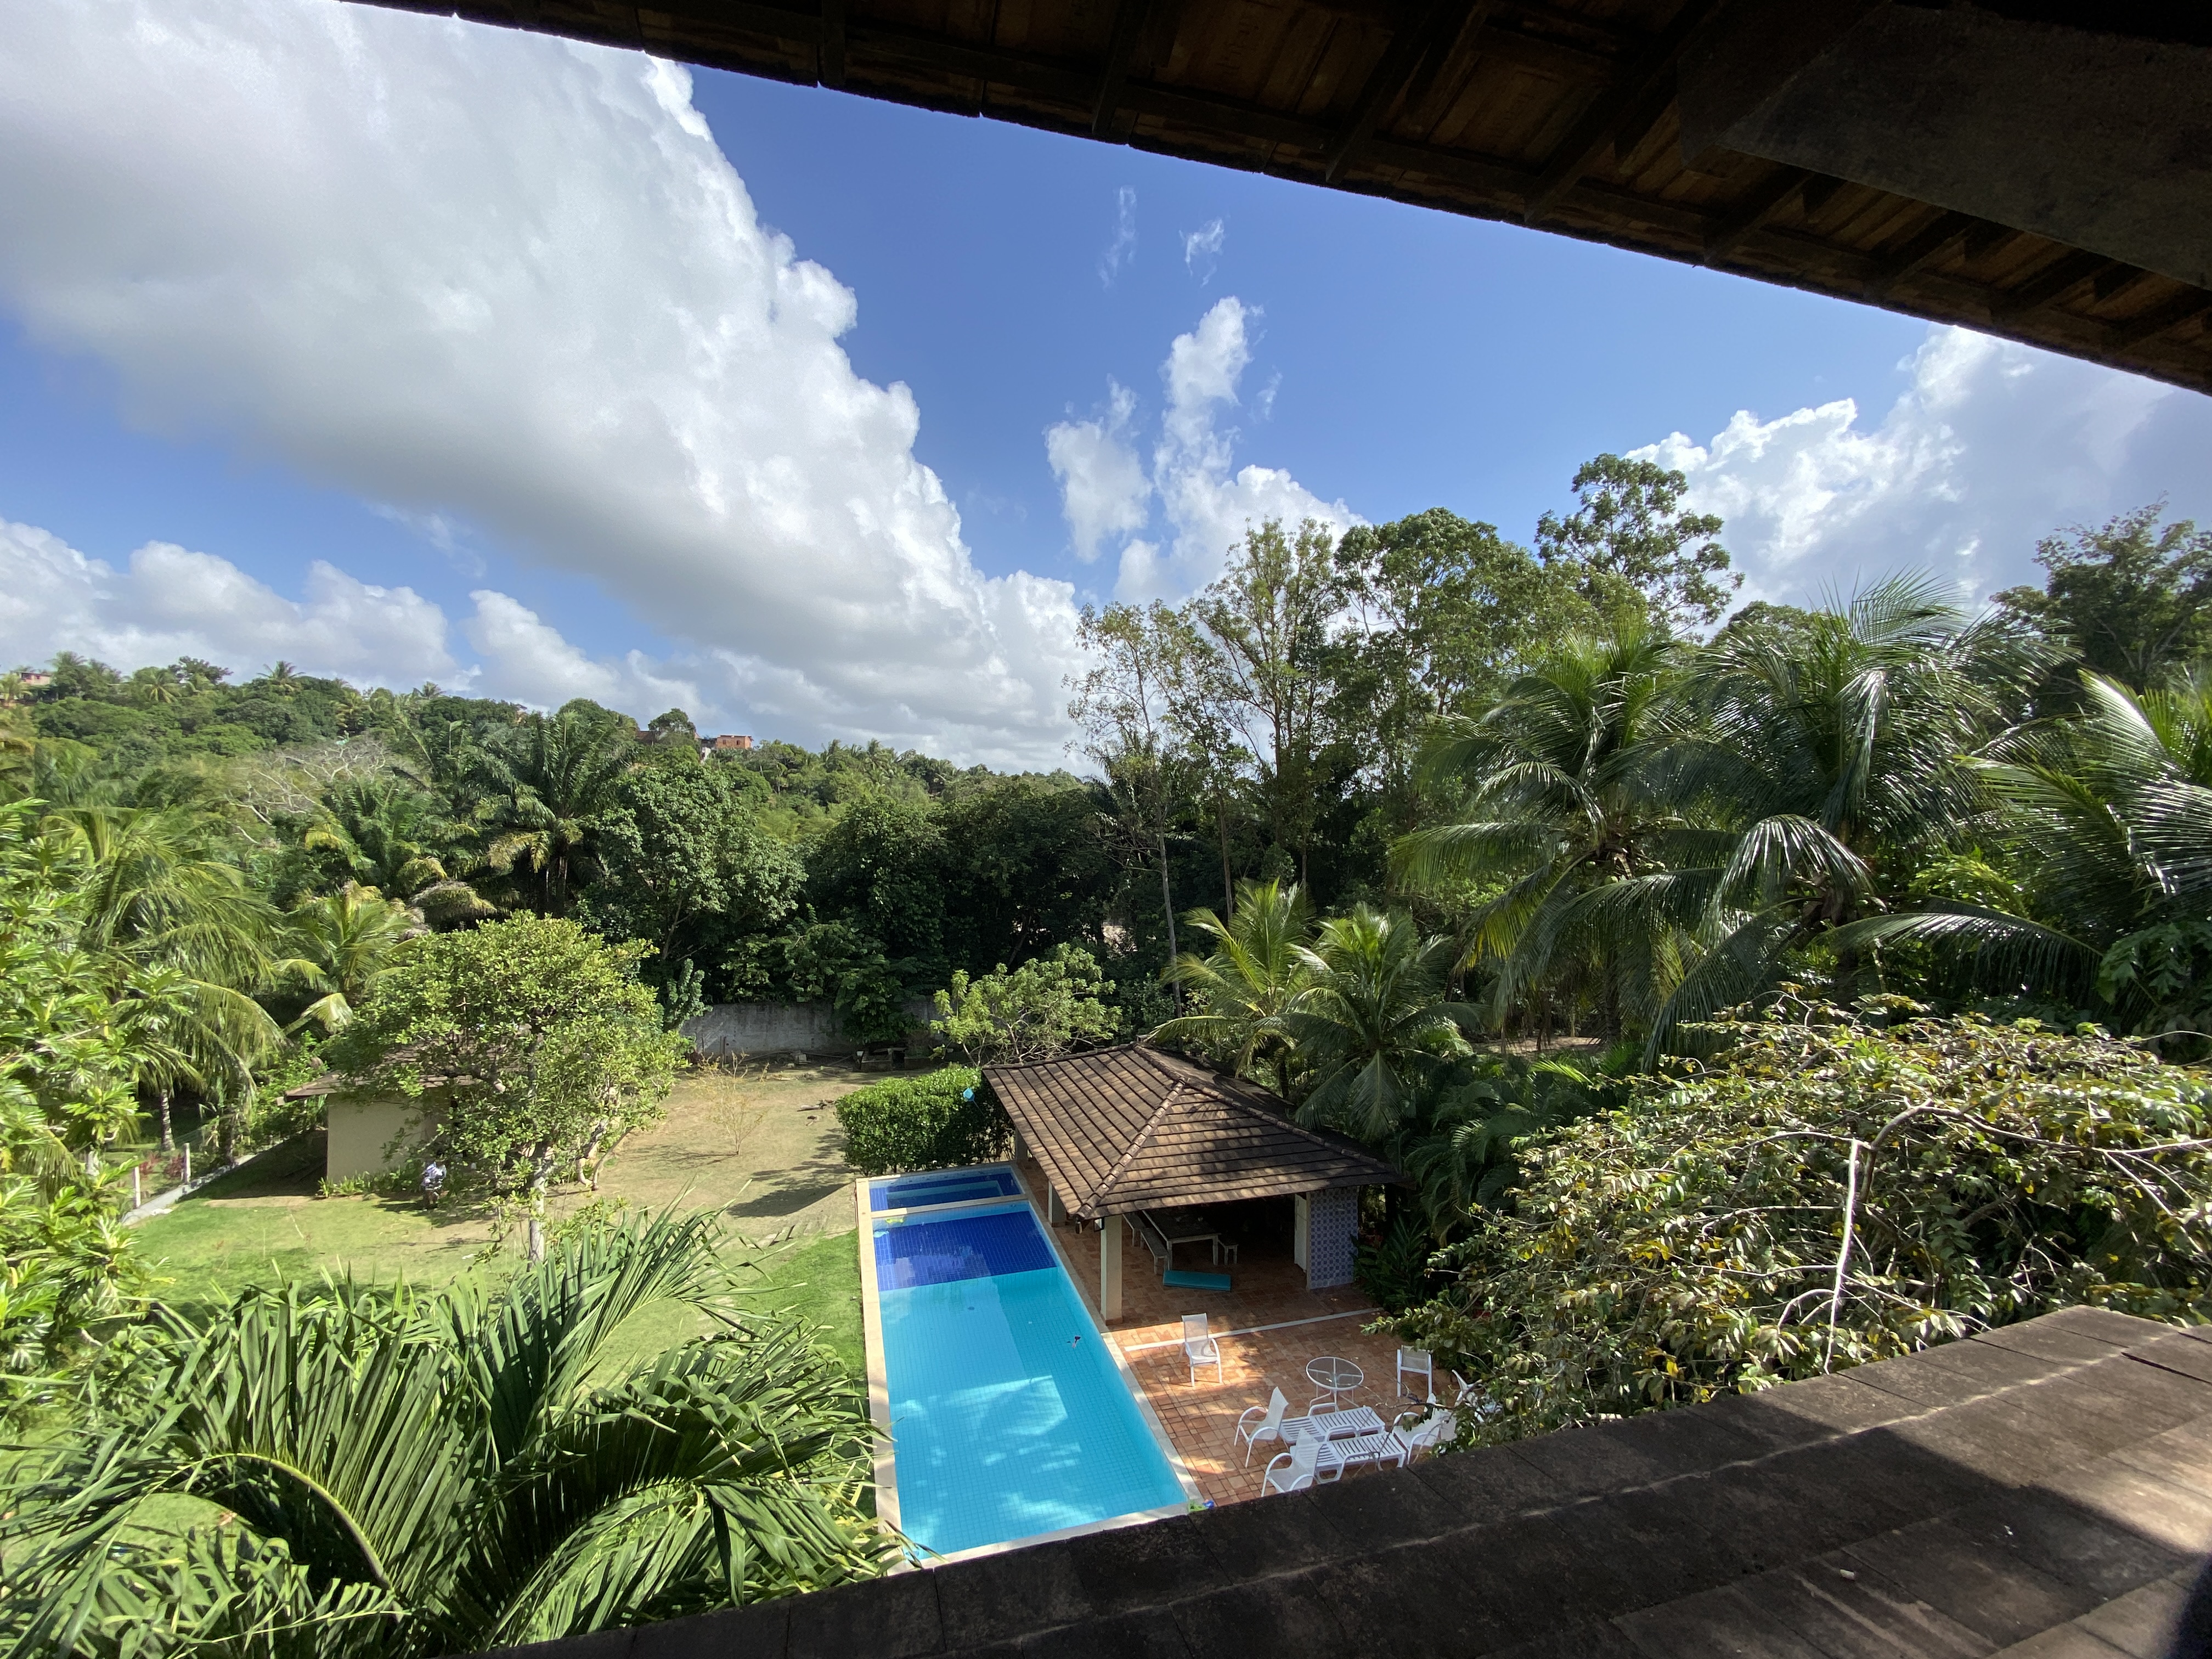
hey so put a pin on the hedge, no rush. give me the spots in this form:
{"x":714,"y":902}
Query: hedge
{"x":943,"y":1120}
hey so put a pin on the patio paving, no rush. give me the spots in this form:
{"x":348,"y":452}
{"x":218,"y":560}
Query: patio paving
{"x":1269,"y":1326}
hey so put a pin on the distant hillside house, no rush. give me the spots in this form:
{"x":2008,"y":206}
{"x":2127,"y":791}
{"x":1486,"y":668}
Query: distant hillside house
{"x":710,"y":745}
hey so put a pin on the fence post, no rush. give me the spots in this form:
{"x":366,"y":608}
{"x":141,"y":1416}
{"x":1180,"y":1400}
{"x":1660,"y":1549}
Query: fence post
{"x":138,"y":1192}
{"x":188,"y":1164}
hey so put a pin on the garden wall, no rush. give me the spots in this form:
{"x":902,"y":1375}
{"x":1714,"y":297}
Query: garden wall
{"x":771,"y":1028}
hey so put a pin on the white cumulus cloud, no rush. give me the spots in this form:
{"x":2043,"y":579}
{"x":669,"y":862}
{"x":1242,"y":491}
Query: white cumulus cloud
{"x":169,"y":602}
{"x":510,"y":282}
{"x":1103,"y":490}
{"x":1989,"y":447}
{"x":1208,"y":502}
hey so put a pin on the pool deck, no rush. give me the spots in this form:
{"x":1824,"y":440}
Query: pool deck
{"x":1269,"y":1325}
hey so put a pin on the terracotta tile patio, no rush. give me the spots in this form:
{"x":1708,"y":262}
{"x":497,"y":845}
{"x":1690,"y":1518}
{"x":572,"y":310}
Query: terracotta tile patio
{"x":1267,"y":1290}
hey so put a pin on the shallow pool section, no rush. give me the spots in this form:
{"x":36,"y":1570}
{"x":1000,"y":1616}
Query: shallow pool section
{"x":914,"y":1192}
{"x":1009,"y":1415}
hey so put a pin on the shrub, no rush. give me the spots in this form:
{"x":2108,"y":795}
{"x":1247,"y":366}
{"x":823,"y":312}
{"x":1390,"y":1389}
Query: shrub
{"x":1964,"y":1175}
{"x":943,"y":1121}
{"x":1041,"y":1009}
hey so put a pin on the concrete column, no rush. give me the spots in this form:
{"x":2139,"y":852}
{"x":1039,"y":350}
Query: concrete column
{"x":1109,"y":1267}
{"x":1301,"y":1229}
{"x":1055,"y":1213}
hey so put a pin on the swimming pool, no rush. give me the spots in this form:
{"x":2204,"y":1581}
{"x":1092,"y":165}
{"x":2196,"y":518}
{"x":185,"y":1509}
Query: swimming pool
{"x":1009,"y":1414}
{"x":932,"y":1187}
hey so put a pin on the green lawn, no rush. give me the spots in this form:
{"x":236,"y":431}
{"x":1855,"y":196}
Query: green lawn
{"x":264,"y":1224}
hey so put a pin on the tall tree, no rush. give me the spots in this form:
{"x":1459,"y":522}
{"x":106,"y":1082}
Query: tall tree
{"x":1124,"y":712}
{"x":1630,"y":541}
{"x":1267,"y":621}
{"x":2132,"y":598}
{"x":535,"y":1040}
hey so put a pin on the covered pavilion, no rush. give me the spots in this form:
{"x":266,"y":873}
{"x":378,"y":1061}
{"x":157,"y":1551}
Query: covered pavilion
{"x":1130,"y":1138}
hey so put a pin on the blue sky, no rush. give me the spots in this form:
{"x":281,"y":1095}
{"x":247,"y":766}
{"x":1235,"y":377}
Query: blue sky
{"x":301,"y":360}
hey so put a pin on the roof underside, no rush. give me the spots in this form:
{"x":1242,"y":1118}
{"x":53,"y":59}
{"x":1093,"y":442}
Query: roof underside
{"x":2025,"y":168}
{"x":1120,"y":1130}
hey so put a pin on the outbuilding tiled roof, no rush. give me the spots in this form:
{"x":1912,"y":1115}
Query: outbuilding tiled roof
{"x":1131,"y":1128}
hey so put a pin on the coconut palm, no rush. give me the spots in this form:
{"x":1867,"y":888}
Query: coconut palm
{"x":395,"y":838}
{"x":338,"y":945}
{"x":1572,"y":783}
{"x":2111,"y":814}
{"x":550,"y":784}
{"x":1371,"y":1023}
{"x":1837,"y":747}
{"x":1243,"y":985}
{"x":411,"y":1475}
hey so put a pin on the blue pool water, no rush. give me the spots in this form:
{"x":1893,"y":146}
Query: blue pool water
{"x":1008,"y":1416}
{"x":941,"y":1187}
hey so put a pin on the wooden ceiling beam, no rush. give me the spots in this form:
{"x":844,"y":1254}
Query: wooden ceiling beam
{"x":830,"y":53}
{"x":1423,"y":34}
{"x":1593,"y":134}
{"x":1925,"y":245}
{"x":2184,"y":307}
{"x":1120,"y":48}
{"x":2054,"y":281}
{"x":1785,"y":184}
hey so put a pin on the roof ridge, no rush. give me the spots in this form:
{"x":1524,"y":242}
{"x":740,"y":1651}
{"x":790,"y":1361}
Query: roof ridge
{"x":1137,"y":1142}
{"x":1216,"y":1086}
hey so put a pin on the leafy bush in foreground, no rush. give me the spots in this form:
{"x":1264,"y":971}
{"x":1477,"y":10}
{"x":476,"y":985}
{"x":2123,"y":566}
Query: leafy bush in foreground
{"x":942,"y":1121}
{"x":1963,"y":1174}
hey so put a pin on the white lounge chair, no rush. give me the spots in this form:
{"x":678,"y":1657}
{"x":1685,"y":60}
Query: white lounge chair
{"x":1293,"y":1470}
{"x":1268,"y":1427}
{"x":1333,"y":1457}
{"x":1200,"y":1348}
{"x":1418,"y":1362}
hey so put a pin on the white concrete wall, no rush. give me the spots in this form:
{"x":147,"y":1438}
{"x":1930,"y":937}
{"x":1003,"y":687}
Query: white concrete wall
{"x":370,"y":1134}
{"x":775,"y":1028}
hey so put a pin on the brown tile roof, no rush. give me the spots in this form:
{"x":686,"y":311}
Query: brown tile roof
{"x":1131,"y":1128}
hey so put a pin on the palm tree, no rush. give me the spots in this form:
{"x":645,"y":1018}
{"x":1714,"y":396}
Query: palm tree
{"x":1837,"y":747}
{"x":283,"y":678}
{"x":179,"y":927}
{"x":2110,"y":815}
{"x":339,"y":945}
{"x":551,"y":783}
{"x":1243,"y":987}
{"x":412,"y":1474}
{"x":396,"y":840}
{"x":1372,"y":1023}
{"x":1572,"y":784}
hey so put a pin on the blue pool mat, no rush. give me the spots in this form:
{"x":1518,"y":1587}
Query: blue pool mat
{"x":955,"y":1248}
{"x":950,"y":1187}
{"x":1183,"y":1281}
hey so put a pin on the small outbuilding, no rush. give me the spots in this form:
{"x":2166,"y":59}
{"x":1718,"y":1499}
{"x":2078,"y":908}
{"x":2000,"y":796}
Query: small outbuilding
{"x":370,"y":1134}
{"x":1132,"y":1132}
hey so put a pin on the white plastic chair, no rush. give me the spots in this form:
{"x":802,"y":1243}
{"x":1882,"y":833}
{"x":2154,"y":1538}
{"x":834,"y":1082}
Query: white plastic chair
{"x":1269,"y":1427}
{"x":1418,"y":1362}
{"x":1198,"y":1348}
{"x":1293,"y":1470}
{"x":1437,"y":1428}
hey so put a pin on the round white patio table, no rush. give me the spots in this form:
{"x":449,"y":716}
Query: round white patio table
{"x":1333,"y":1377}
